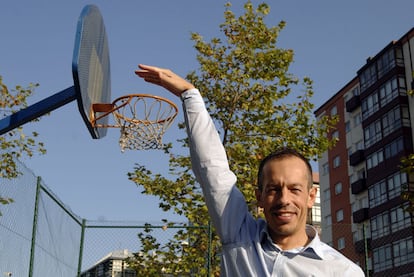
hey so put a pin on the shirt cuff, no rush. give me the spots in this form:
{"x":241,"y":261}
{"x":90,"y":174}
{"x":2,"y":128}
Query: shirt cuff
{"x":189,"y":93}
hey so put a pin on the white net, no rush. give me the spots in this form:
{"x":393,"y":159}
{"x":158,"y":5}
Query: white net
{"x":143,"y":120}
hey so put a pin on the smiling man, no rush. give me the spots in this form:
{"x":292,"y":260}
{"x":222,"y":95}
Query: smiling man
{"x":285,"y":192}
{"x":281,"y":245}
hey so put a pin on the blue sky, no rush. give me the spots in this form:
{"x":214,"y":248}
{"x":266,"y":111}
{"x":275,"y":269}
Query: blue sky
{"x":331,"y":40}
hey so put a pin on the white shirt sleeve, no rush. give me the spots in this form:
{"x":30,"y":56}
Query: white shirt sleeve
{"x":226,"y":204}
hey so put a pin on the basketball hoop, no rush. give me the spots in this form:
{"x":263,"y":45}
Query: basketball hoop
{"x":142,"y":119}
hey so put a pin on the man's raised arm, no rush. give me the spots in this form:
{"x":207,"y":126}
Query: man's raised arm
{"x":226,"y":204}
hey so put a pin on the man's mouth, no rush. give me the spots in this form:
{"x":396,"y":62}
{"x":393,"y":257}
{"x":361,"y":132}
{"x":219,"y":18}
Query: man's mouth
{"x":283,"y":215}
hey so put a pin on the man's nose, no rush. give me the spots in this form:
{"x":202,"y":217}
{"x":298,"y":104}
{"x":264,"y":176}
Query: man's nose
{"x":283,"y":196}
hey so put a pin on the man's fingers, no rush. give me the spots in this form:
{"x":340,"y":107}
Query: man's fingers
{"x":148,"y":67}
{"x":164,"y":78}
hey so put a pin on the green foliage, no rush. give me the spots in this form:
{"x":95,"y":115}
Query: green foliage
{"x":245,"y":81}
{"x":15,"y":144}
{"x":407,"y":166}
{"x":180,"y":256}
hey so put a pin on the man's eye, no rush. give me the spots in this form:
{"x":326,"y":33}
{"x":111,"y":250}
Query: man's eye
{"x":272,"y":190}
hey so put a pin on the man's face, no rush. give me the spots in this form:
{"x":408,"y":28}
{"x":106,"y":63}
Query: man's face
{"x":286,"y":197}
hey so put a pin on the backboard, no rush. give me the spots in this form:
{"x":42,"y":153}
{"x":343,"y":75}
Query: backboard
{"x":91,"y":67}
{"x":91,"y":76}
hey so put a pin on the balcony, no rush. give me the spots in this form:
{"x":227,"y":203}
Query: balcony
{"x":360,"y":245}
{"x":359,"y":186}
{"x":360,"y":215}
{"x":356,"y":157}
{"x":353,"y":103}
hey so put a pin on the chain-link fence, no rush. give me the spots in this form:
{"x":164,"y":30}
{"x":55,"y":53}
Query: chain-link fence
{"x":16,"y":224}
{"x":130,"y":239}
{"x":41,"y":237}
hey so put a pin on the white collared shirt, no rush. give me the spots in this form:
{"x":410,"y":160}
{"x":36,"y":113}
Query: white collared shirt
{"x":247,"y":247}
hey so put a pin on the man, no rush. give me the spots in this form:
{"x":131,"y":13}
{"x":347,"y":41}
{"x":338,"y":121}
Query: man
{"x":283,"y":245}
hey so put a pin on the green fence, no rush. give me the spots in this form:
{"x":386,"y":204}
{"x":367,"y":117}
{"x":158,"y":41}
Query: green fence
{"x":41,"y":237}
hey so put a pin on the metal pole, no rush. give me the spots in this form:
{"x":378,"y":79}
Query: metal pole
{"x":210,"y":240}
{"x":365,"y":249}
{"x":34,"y":227}
{"x":38,"y":109}
{"x":81,"y":247}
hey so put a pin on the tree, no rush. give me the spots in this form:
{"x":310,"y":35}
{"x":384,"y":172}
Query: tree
{"x":15,"y":143}
{"x":245,"y":81}
{"x":407,"y":166}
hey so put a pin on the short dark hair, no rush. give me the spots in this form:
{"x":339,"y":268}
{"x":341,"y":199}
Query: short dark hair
{"x":280,"y":154}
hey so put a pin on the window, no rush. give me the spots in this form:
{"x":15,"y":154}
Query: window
{"x":341,"y":243}
{"x":339,"y":215}
{"x":387,"y":189}
{"x":368,"y":77}
{"x":394,"y":148}
{"x":347,"y":126}
{"x":388,"y":91}
{"x":357,"y":119}
{"x":364,"y":202}
{"x":328,"y":220}
{"x":400,"y":218}
{"x":338,"y":188}
{"x":326,"y":195}
{"x":346,"y":97}
{"x":403,"y":252}
{"x":359,"y":145}
{"x":391,"y":121}
{"x":377,"y":194}
{"x":373,"y":133}
{"x":369,"y":105}
{"x":349,"y":151}
{"x":402,"y":87}
{"x":395,"y":183}
{"x":117,"y":265}
{"x":355,"y":91}
{"x":386,"y":62}
{"x":382,"y":258}
{"x":405,"y":116}
{"x":316,"y":213}
{"x":399,"y":56}
{"x":354,"y":206}
{"x":361,"y":174}
{"x":334,"y":110}
{"x":380,"y":225}
{"x":375,"y":159}
{"x":336,"y":161}
{"x":335,"y":134}
{"x":325,"y":169}
{"x":355,"y":236}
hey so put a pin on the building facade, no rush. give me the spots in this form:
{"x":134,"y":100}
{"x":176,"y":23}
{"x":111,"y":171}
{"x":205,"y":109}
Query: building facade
{"x":112,"y":265}
{"x":363,"y":213}
{"x":314,"y":214}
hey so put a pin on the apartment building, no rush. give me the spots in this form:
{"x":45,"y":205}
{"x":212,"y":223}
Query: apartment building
{"x":112,"y":265}
{"x":314,"y":214}
{"x":363,"y":214}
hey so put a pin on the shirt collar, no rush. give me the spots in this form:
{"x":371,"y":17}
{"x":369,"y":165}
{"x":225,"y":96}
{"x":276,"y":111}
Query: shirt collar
{"x":314,"y":246}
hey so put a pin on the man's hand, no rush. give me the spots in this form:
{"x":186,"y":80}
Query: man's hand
{"x":164,"y":78}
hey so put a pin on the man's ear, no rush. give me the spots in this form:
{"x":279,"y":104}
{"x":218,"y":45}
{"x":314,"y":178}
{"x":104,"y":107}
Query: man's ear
{"x":259,"y":198}
{"x":312,"y":196}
